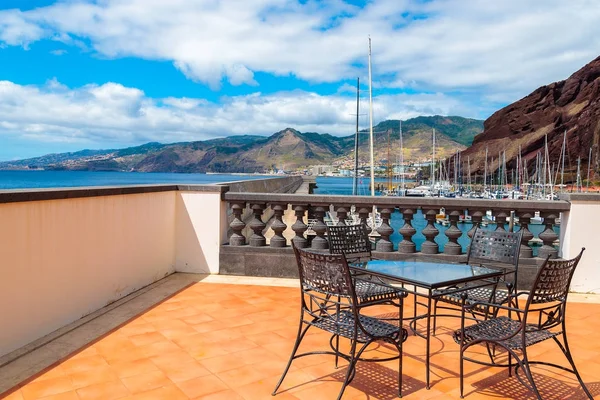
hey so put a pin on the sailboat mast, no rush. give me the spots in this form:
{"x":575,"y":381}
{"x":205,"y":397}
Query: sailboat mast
{"x":588,"y":171}
{"x":485,"y":170}
{"x":433,"y":162}
{"x":401,"y":156}
{"x":355,"y":181}
{"x":372,"y":157}
{"x":562,"y":168}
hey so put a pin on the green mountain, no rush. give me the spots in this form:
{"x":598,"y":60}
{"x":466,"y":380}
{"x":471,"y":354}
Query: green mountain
{"x":288,"y":149}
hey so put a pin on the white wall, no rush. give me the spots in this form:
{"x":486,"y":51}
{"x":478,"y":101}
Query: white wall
{"x":579,"y":228}
{"x":200,"y":226}
{"x":62,"y":259}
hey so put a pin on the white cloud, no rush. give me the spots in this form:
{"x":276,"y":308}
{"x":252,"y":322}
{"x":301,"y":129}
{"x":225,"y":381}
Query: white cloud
{"x":111,"y":113}
{"x":507,"y":46}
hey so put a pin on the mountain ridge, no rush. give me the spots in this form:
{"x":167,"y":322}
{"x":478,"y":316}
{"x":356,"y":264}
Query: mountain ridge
{"x":288,"y":148}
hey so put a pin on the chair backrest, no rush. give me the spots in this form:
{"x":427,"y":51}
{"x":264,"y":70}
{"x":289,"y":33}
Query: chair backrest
{"x":550,"y":290}
{"x":553,"y":280}
{"x":350,"y":240}
{"x":325,"y":273}
{"x":495,"y":246}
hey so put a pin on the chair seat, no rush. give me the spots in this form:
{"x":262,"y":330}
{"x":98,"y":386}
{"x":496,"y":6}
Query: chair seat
{"x":342,"y":323}
{"x":494,"y":329}
{"x":482,"y":294}
{"x":368,"y":292}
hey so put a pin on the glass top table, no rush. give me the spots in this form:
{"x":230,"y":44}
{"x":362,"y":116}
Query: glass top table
{"x":429,"y":275}
{"x":433,"y":277}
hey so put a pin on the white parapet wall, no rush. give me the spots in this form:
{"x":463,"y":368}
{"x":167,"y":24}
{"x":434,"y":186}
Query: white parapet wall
{"x":579,"y":228}
{"x":65,"y":253}
{"x":201,"y":227}
{"x":63,"y":259}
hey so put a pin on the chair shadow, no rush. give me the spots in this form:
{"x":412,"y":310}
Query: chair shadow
{"x":377,"y":381}
{"x":501,"y":385}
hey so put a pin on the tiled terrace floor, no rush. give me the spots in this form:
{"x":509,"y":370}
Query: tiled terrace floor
{"x":231,"y":341}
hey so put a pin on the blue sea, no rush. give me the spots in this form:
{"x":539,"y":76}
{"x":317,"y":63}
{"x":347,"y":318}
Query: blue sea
{"x":56,"y":179}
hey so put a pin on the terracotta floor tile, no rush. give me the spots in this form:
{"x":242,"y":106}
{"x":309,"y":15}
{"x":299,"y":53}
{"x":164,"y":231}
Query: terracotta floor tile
{"x":63,"y":396}
{"x":250,"y":373}
{"x":98,"y":375}
{"x":36,"y":390}
{"x":224,"y":395}
{"x":126,"y":355}
{"x":185,"y":371}
{"x":54,"y":372}
{"x":129,"y":368}
{"x":146,"y":381}
{"x":73,"y":365}
{"x":146,"y":338}
{"x":103,"y":391}
{"x":202,"y":386}
{"x":15,"y":395}
{"x":137,"y":329}
{"x":170,"y":392}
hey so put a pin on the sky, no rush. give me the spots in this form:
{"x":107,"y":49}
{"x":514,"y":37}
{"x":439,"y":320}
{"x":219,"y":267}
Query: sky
{"x":102,"y":74}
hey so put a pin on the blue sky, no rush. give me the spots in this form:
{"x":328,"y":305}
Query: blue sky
{"x":78,"y":74}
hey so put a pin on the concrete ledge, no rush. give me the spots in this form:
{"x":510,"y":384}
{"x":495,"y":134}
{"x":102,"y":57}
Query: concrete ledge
{"x":595,"y":197}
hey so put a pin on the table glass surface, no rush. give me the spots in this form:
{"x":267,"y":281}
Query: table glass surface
{"x":428,"y":273}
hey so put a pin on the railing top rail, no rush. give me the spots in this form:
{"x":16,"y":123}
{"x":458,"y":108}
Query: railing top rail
{"x":416,"y":202}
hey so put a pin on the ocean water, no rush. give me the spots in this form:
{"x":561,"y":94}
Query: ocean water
{"x":61,"y":179}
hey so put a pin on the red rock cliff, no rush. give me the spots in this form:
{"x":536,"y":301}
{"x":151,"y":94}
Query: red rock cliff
{"x":572,"y":105}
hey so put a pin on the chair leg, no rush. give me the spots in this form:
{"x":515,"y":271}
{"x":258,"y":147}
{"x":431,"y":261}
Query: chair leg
{"x":299,"y":338}
{"x":461,"y":372}
{"x":567,"y":352}
{"x":435,"y":302}
{"x":525,"y":366}
{"x":351,"y":366}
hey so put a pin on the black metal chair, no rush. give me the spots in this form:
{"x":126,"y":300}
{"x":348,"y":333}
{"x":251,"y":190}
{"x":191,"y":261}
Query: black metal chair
{"x":542,"y":318}
{"x":353,"y":242}
{"x":492,"y":249}
{"x":329,"y":302}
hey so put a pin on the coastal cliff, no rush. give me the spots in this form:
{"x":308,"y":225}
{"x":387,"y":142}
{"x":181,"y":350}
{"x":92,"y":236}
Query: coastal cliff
{"x":571,"y":105}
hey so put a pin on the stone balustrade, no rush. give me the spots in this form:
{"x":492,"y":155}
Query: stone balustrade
{"x":360,"y":208}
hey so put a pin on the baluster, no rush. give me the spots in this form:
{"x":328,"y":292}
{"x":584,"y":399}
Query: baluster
{"x":430,"y":232}
{"x":453,"y":233}
{"x":407,"y":246}
{"x":385,"y":230}
{"x":476,"y":218}
{"x":342,"y":214}
{"x":500,"y":216}
{"x":319,"y":241}
{"x":363,"y":213}
{"x":548,"y":236}
{"x":278,"y":226}
{"x":237,"y":225}
{"x":299,"y":226}
{"x":525,"y":250}
{"x":257,"y":239}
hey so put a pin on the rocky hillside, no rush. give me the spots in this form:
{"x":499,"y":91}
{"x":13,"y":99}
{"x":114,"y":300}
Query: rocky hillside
{"x":572,"y":105}
{"x":287,"y":149}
